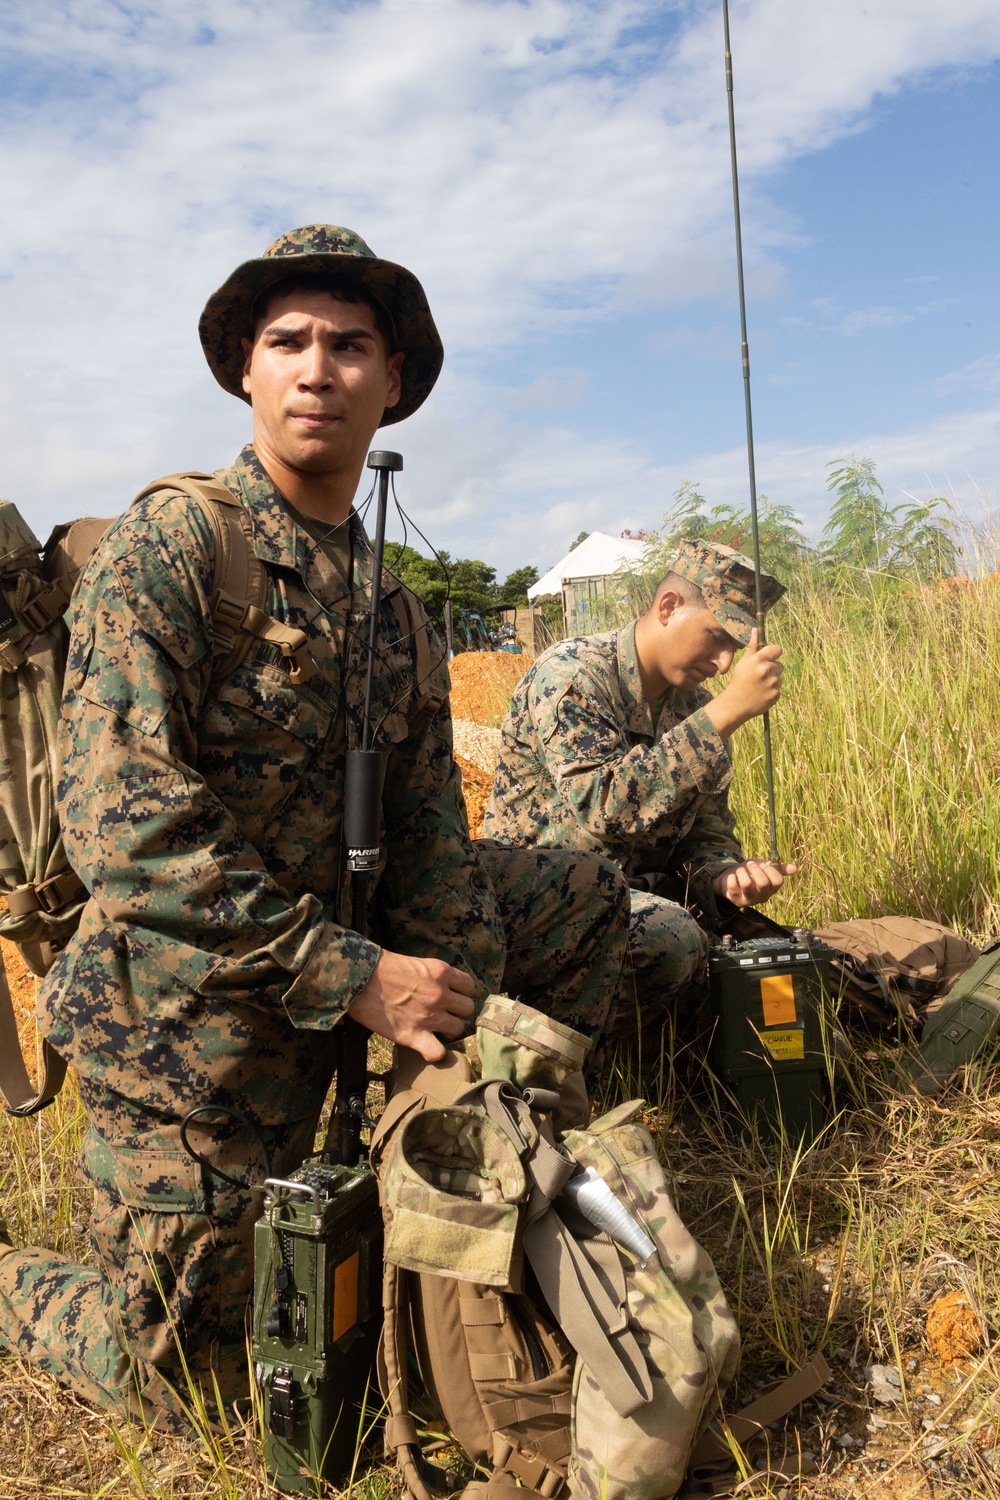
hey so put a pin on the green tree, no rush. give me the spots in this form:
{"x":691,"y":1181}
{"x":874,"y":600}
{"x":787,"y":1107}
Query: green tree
{"x":514,"y":589}
{"x":581,"y":538}
{"x":863,"y":532}
{"x":783,"y":545}
{"x":468,"y":582}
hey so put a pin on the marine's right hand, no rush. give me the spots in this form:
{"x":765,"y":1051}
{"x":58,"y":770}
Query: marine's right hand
{"x":409,"y":999}
{"x":754,"y":687}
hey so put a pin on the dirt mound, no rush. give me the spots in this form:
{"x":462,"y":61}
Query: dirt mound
{"x":482,"y":683}
{"x":476,"y":786}
{"x":953,"y":1330}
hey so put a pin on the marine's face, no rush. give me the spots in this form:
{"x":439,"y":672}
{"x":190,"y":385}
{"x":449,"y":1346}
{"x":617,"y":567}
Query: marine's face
{"x":693,"y":646}
{"x":319,"y":379}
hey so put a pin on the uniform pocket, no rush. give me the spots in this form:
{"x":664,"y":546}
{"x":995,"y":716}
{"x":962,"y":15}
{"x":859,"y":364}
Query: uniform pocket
{"x":150,"y":1181}
{"x":257,"y":736}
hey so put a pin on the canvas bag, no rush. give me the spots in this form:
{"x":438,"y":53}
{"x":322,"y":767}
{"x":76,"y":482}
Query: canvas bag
{"x":911,"y":963}
{"x":886,"y":969}
{"x":607,"y":1380}
{"x":44,"y":896}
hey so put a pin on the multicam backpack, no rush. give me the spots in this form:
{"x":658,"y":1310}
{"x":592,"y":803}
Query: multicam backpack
{"x":554,"y":1355}
{"x":44,"y":896}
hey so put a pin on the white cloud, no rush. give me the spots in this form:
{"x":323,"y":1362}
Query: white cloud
{"x":571,"y":482}
{"x":981,"y":375}
{"x":524,"y":158}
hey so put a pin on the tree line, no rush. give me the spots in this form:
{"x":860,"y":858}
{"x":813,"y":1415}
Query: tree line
{"x":915,"y":540}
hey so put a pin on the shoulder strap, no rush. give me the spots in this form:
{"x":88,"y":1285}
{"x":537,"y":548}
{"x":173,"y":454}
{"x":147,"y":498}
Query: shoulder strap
{"x":19,"y":1092}
{"x":713,"y":1450}
{"x":239,"y":580}
{"x":401,"y":1437}
{"x":413,"y":622}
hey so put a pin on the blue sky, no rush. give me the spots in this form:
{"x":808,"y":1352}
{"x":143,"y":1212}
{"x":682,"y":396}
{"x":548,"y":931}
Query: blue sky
{"x":556,"y":172}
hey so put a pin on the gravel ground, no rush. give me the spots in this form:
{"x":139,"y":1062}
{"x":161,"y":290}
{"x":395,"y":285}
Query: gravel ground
{"x":477,"y":744}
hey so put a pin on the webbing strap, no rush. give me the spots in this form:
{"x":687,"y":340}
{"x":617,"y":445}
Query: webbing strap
{"x":39,"y":613}
{"x":240,"y":615}
{"x":577,"y":1296}
{"x":239,"y":582}
{"x":413,"y":628}
{"x":400,"y":1432}
{"x":534,"y":1472}
{"x":19,"y":1092}
{"x":750,"y":1422}
{"x":47,"y":895}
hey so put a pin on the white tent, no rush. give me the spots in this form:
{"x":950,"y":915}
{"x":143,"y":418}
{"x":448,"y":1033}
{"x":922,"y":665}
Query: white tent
{"x":598,"y":556}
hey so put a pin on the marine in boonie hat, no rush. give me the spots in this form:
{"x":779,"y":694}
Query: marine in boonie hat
{"x":325,"y":249}
{"x":726,"y":580}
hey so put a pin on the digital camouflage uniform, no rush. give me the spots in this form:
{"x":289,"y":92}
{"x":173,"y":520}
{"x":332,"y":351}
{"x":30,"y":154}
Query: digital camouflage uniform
{"x":582,"y":765}
{"x":216,"y":954}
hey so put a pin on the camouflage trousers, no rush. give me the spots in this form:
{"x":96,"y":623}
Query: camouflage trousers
{"x":164,"y":1310}
{"x":565,"y":920}
{"x":664,"y":980}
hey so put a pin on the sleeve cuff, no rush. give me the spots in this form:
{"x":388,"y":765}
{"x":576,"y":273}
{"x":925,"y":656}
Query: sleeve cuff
{"x":701,"y":885}
{"x":336,"y":971}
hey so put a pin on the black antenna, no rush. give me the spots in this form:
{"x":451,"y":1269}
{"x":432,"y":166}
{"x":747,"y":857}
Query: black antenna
{"x":755,"y":530}
{"x":363,"y":837}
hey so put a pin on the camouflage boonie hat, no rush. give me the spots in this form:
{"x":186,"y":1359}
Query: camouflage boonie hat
{"x":330,"y":250}
{"x":725,"y":578}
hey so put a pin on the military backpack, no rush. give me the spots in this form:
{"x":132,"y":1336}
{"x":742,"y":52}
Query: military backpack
{"x":44,"y":896}
{"x":544,"y":1303}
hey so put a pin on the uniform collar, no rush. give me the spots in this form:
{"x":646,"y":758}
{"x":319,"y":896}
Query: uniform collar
{"x":640,"y":720}
{"x":279,"y":540}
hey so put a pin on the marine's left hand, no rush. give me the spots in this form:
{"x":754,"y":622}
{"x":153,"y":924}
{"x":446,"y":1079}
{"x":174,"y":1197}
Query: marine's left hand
{"x":752,"y":882}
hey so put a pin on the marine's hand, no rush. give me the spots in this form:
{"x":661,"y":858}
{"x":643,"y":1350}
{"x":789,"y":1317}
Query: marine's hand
{"x":409,"y":999}
{"x":754,"y":687}
{"x":752,"y":882}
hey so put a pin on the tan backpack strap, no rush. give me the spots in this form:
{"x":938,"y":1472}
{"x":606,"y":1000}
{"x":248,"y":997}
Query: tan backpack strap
{"x":48,"y":895}
{"x":64,"y":557}
{"x":750,"y":1422}
{"x":21,"y":1096}
{"x":401,"y":1438}
{"x":536,"y":1474}
{"x":239,"y":581}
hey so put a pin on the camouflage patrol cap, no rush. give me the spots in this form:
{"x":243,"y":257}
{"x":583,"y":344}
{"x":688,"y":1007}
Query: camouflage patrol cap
{"x":329,"y":250}
{"x":726,"y":580}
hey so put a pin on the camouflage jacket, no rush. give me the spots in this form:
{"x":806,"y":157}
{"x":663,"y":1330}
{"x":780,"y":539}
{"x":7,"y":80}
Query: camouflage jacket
{"x":583,"y":766}
{"x":216,"y":951}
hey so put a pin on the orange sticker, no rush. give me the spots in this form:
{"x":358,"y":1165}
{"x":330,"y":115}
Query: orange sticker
{"x":345,"y":1296}
{"x":778,"y":994}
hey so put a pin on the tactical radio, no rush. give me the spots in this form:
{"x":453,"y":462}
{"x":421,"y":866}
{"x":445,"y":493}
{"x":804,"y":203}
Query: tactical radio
{"x":963,"y":1028}
{"x":767,"y":996}
{"x":316,"y":1320}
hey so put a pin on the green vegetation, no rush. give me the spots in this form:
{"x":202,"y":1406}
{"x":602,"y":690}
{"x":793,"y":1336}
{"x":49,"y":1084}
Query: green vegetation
{"x":888,"y":790}
{"x":467,"y":581}
{"x":916,"y":541}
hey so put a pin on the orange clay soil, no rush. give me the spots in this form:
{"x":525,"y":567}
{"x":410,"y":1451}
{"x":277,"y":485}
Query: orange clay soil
{"x":482,"y":683}
{"x":476,"y":785}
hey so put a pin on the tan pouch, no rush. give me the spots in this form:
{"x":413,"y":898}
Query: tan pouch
{"x":678,"y":1311}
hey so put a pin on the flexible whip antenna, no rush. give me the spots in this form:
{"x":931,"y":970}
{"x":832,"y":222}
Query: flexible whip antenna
{"x":754,"y":527}
{"x":363,"y":838}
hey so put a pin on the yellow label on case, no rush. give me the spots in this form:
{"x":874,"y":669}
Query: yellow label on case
{"x":785,"y":1046}
{"x":345,"y":1296}
{"x":778,"y":994}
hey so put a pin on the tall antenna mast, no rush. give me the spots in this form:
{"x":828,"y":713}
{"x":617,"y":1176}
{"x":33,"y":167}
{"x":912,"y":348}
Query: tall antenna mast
{"x":754,"y":527}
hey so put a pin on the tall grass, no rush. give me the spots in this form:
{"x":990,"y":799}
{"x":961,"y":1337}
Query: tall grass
{"x":886,"y":747}
{"x":886,"y":754}
{"x":888,"y":782}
